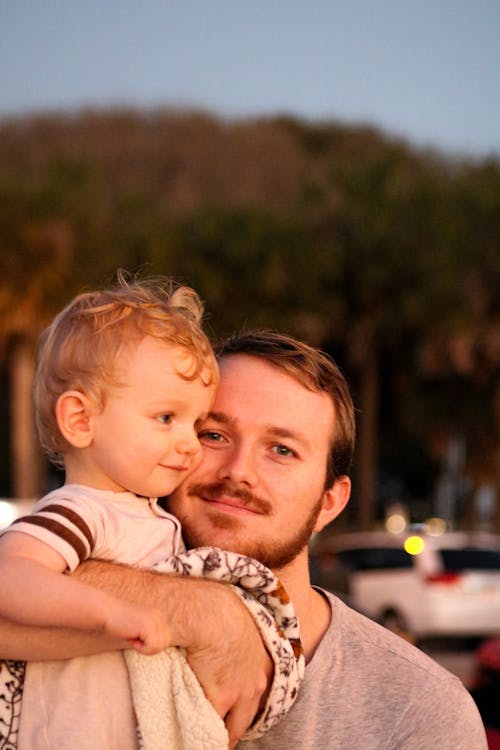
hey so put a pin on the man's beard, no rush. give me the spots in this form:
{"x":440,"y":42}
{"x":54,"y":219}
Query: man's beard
{"x":273,"y":554}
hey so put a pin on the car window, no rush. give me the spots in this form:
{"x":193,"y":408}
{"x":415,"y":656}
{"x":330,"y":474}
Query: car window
{"x":375,"y":558}
{"x":470,"y":558}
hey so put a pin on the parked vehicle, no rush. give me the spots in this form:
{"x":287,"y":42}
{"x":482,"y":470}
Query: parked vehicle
{"x":426,"y":586}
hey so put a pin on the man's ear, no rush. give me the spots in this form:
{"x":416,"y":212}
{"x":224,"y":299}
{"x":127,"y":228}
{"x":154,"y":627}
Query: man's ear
{"x":334,"y":501}
{"x":74,"y":418}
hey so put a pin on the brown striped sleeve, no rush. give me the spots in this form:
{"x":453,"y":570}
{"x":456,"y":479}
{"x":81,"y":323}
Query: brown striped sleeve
{"x":69,"y":527}
{"x":59,"y":530}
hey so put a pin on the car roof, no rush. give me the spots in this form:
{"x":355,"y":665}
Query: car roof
{"x":381,"y":538}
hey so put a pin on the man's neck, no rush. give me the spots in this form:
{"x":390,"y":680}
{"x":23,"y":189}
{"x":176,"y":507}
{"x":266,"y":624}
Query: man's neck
{"x":313,"y":611}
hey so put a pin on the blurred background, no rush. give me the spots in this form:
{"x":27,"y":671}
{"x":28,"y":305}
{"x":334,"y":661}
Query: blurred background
{"x":330,"y":169}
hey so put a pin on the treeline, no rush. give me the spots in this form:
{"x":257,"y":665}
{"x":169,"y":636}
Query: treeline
{"x":387,"y":257}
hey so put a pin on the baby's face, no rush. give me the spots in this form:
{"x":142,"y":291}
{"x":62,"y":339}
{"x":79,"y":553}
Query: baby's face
{"x":145,"y":439}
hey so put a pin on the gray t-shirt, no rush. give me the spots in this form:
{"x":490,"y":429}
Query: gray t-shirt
{"x":367,"y":689}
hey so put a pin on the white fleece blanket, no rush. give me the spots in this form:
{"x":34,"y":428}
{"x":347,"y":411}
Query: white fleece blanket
{"x":172,"y":710}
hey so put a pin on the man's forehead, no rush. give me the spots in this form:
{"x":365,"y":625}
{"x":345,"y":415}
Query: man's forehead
{"x":237,"y":365}
{"x":262,"y":376}
{"x":251,"y":389}
{"x":262,"y":379}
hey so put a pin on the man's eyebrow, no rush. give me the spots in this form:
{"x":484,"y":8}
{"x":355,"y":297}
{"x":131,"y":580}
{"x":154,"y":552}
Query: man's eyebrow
{"x":220,"y":416}
{"x":284,"y":433}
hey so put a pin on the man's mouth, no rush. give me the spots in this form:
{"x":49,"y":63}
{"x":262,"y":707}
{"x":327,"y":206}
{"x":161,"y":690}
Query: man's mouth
{"x":228,"y":504}
{"x":230,"y":500}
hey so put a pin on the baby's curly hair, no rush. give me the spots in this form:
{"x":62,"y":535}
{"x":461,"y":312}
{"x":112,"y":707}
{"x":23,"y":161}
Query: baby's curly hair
{"x":80,"y":348}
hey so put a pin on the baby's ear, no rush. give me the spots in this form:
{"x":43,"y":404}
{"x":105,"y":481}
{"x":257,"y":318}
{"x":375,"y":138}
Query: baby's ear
{"x":74,"y":418}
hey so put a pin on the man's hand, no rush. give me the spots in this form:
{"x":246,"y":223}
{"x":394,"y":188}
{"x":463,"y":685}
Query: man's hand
{"x":223,"y":644}
{"x":230,"y":661}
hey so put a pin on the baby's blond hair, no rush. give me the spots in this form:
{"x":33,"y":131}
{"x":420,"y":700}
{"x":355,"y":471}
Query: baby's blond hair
{"x":79,"y":349}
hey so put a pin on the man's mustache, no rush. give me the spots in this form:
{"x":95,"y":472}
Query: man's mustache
{"x":215,"y":490}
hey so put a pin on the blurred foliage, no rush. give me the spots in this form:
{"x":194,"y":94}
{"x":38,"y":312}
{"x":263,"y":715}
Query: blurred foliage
{"x":387,"y":257}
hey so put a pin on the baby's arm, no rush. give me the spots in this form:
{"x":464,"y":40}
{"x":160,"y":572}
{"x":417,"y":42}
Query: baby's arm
{"x":35,"y":591}
{"x":35,"y":643}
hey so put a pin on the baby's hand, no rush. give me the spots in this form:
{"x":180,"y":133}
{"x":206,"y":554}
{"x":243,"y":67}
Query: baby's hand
{"x":145,"y":628}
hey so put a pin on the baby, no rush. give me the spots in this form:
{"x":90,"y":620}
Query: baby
{"x":125,"y":376}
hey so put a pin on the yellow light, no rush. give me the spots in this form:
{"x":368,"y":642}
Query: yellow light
{"x":414,"y":545}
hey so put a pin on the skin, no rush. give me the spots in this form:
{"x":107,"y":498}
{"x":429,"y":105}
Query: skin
{"x":143,"y":440}
{"x":259,"y":489}
{"x":263,"y":452}
{"x":259,"y":486}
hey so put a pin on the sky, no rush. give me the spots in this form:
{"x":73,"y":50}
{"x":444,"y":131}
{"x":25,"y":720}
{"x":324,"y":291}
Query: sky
{"x":427,"y":70}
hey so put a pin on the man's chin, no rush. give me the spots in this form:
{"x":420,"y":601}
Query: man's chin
{"x":219,"y":532}
{"x":271,"y":555}
{"x":227,"y":531}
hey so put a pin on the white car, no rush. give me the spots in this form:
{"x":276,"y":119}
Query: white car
{"x":447,"y":585}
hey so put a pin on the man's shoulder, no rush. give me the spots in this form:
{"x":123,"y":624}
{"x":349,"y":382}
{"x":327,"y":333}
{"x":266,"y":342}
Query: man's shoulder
{"x":397,"y":688}
{"x":380,"y":649}
{"x":365,"y":684}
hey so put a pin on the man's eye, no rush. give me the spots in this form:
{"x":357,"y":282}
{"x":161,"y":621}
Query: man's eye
{"x":282,"y":450}
{"x":165,"y":418}
{"x":210,"y":436}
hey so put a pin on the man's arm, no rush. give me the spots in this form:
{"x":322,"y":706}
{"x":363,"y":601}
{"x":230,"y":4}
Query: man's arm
{"x":223,"y":644}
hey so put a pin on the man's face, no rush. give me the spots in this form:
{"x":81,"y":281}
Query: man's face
{"x":259,"y":489}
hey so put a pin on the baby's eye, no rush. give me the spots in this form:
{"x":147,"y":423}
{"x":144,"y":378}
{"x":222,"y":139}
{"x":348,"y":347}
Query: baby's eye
{"x":165,"y":418}
{"x":283,"y":450}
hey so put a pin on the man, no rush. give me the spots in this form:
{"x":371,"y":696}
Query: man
{"x":277,"y":449}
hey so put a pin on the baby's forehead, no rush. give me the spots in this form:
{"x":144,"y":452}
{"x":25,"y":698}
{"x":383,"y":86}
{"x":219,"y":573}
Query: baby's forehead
{"x":192,"y":364}
{"x":189,"y":363}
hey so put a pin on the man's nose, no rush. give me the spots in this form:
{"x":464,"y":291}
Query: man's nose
{"x":238,"y":466}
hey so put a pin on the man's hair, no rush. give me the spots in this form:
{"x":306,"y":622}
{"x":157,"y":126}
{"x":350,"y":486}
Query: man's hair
{"x":315,"y":370}
{"x":80,"y":348}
